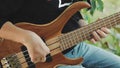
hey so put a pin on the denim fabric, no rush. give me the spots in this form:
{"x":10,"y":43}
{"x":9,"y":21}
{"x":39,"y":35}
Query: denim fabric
{"x":94,"y":57}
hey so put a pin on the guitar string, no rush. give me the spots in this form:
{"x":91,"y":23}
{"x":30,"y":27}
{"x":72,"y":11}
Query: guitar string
{"x":26,"y":58}
{"x":100,"y":24}
{"x":26,"y":50}
{"x":37,"y":57}
{"x":112,"y":21}
{"x":25,"y":61}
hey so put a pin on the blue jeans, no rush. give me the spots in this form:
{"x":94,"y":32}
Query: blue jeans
{"x":94,"y":57}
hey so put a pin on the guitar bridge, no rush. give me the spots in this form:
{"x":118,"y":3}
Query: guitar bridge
{"x":10,"y":61}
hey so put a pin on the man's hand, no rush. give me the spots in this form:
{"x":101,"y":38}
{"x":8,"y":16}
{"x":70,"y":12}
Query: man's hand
{"x":98,"y":34}
{"x":37,"y":49}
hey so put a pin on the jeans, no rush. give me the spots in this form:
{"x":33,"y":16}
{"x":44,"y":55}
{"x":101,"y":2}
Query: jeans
{"x":94,"y":57}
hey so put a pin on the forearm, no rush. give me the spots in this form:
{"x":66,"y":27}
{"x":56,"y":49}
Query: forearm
{"x":36,"y":47}
{"x":11,"y":32}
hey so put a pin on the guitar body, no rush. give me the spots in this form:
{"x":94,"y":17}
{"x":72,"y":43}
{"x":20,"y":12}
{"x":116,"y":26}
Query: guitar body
{"x":58,"y":59}
{"x":47,"y":32}
{"x":9,"y":47}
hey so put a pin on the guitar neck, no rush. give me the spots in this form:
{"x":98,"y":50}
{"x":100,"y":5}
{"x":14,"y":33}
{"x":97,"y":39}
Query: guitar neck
{"x":72,"y":38}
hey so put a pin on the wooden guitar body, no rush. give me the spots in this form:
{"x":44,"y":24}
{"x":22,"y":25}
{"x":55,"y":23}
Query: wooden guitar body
{"x":49,"y":32}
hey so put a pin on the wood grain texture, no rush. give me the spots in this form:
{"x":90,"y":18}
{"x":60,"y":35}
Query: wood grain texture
{"x":47,"y":32}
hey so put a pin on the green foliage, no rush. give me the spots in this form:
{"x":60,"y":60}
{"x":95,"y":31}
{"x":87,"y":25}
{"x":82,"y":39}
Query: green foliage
{"x":100,"y":5}
{"x":112,"y":41}
{"x":95,"y":5}
{"x":116,"y":36}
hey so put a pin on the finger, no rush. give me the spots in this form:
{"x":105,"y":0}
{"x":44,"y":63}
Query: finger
{"x":101,"y":33}
{"x":44,"y":46}
{"x":40,"y":59}
{"x":82,"y":23}
{"x":43,"y":59}
{"x":98,"y":19}
{"x":33,"y":54}
{"x":33,"y":59}
{"x":93,"y":40}
{"x":106,"y":30}
{"x":96,"y":36}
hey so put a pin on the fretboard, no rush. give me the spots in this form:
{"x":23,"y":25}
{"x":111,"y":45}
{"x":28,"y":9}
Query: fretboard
{"x":72,"y":38}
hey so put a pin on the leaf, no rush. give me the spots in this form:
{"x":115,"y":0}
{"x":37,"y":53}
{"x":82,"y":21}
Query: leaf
{"x":100,"y":5}
{"x":117,"y":28}
{"x":117,"y":50}
{"x":93,"y":4}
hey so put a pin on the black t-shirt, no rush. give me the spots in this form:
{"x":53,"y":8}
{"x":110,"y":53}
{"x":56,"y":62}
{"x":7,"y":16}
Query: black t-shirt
{"x":36,"y":11}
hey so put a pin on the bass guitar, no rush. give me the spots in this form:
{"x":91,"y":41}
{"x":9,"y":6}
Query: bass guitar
{"x":12,"y":57}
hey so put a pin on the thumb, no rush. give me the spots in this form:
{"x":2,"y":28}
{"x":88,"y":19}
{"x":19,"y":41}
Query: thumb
{"x":82,"y":23}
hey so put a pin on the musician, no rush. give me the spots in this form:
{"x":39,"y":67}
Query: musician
{"x":42,"y":12}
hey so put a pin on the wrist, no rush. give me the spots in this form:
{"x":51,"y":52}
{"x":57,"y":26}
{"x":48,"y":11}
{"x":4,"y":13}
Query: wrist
{"x":12,"y":32}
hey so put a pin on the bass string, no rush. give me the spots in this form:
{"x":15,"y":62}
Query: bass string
{"x":37,"y":57}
